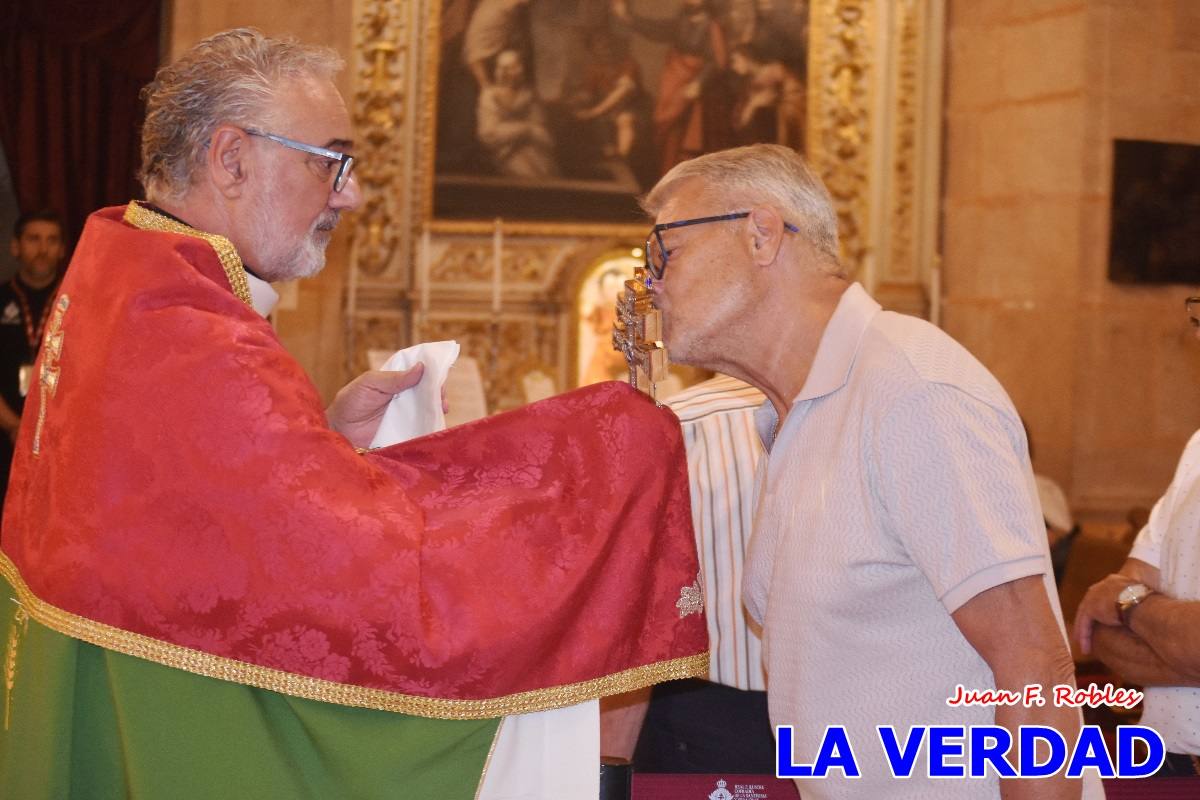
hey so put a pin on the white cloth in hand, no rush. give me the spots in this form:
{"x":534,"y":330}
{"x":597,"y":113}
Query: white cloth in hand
{"x":548,"y":755}
{"x":417,"y":411}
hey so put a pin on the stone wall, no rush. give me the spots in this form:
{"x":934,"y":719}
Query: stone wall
{"x":1105,"y":375}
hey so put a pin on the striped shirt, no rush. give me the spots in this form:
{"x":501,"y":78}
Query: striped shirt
{"x":723,"y":450}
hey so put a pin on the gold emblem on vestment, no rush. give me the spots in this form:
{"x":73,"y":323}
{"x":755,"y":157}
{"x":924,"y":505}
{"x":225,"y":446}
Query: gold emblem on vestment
{"x":52,"y":347}
{"x":20,"y":624}
{"x":691,"y":599}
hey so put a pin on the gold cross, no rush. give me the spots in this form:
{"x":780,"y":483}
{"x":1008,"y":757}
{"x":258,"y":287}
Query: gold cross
{"x":637,"y":333}
{"x":48,"y":378}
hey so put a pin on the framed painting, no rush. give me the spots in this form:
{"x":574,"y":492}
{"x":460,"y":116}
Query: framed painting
{"x":568,"y":110}
{"x":540,"y":122}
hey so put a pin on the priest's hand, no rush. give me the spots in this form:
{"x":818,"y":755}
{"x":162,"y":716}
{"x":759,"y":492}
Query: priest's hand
{"x":358,"y":408}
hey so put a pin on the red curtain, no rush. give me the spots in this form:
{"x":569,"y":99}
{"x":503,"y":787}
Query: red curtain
{"x":70,"y":116}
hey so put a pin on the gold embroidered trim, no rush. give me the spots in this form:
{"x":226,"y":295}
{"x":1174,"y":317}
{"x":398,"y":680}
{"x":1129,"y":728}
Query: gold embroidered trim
{"x":20,"y":625}
{"x":48,"y":380}
{"x":141,"y":217}
{"x":228,"y":669}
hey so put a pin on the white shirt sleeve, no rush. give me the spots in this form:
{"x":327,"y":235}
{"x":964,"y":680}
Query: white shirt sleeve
{"x":958,"y":492}
{"x":1147,"y":547}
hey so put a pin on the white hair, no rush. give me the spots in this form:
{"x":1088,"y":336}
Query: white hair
{"x":228,"y":78}
{"x":759,"y":173}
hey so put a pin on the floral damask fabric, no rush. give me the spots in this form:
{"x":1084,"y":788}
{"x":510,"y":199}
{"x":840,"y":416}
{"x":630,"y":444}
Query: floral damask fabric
{"x":189,"y":489}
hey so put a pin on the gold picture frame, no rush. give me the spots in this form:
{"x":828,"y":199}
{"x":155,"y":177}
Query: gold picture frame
{"x":873,"y":109}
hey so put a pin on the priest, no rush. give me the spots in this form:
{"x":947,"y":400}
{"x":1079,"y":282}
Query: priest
{"x":215,"y":591}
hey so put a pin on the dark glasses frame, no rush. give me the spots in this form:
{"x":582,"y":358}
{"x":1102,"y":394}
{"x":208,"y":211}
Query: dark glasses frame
{"x":657,"y":271}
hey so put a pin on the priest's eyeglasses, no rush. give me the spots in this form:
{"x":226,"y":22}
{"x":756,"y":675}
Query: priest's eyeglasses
{"x":657,"y":253}
{"x":344,"y":161}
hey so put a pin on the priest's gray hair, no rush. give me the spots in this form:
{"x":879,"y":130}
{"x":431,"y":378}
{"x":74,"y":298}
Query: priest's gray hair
{"x":228,"y":78}
{"x":761,"y":173}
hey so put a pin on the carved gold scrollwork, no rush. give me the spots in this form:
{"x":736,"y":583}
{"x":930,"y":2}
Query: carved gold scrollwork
{"x":520,"y":263}
{"x":902,"y":264}
{"x":839,"y":118}
{"x":381,"y":45}
{"x":529,"y":263}
{"x":506,"y":350}
{"x":383,"y":332}
{"x":463,"y":261}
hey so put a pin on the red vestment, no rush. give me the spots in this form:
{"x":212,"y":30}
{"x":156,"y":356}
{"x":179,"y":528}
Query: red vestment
{"x":188,"y":489}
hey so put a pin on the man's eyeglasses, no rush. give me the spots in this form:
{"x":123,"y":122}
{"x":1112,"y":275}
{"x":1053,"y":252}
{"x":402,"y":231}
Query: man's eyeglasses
{"x":656,"y":251}
{"x":1192,"y":306}
{"x":345,"y":161}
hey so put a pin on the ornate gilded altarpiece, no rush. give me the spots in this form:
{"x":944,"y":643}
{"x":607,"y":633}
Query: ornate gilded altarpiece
{"x":874,"y":110}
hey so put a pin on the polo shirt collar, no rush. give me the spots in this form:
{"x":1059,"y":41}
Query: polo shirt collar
{"x":839,"y":344}
{"x":835,"y":356}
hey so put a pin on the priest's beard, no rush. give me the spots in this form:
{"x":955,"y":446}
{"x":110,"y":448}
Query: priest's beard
{"x":303,"y":259}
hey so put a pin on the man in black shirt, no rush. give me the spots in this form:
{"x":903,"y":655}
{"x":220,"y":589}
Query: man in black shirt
{"x":37,"y":245}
